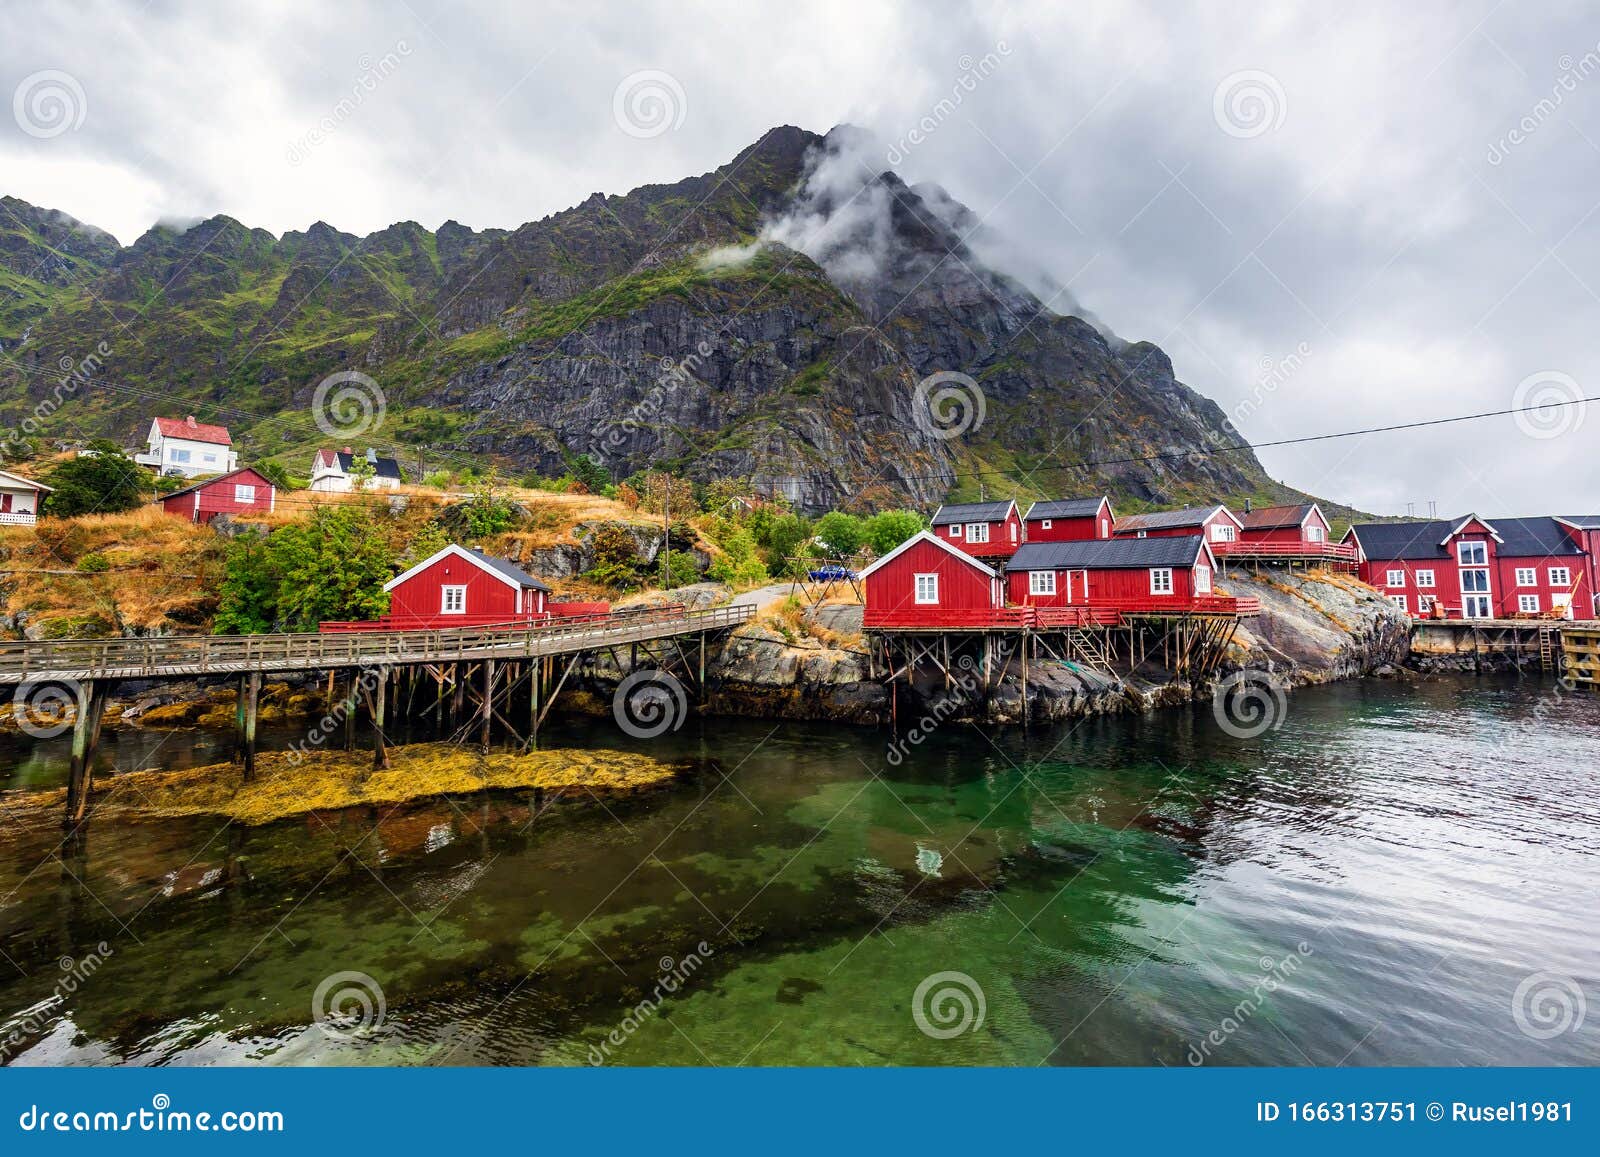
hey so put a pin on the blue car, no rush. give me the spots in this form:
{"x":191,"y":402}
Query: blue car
{"x":832,"y":572}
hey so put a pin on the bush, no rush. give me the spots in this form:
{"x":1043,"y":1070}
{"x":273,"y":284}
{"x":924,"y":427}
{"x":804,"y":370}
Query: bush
{"x":841,"y":535}
{"x":331,"y":567}
{"x":889,"y":529}
{"x":739,"y":564}
{"x":681,"y":569}
{"x":102,"y":481}
{"x":93,"y":563}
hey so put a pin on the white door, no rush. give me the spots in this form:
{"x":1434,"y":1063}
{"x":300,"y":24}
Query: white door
{"x":1475,"y":607}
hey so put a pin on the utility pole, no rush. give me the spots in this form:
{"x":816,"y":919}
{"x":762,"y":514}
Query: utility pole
{"x":666,"y":525}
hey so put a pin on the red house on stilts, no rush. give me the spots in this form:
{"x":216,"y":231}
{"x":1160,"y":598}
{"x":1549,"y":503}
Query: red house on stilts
{"x":1069,"y":520}
{"x":1217,"y":524}
{"x":981,"y":529}
{"x":457,"y":587}
{"x":927,"y":581}
{"x":1133,"y":575}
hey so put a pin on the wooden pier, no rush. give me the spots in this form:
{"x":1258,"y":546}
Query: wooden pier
{"x":1580,"y":655}
{"x":474,"y":673}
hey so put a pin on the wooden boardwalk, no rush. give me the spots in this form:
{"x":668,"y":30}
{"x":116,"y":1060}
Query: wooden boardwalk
{"x":178,"y":656}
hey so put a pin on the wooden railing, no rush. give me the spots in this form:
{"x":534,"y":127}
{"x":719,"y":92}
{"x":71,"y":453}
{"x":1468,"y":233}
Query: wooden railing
{"x":1331,"y":551}
{"x":33,"y":661}
{"x":1055,"y":618}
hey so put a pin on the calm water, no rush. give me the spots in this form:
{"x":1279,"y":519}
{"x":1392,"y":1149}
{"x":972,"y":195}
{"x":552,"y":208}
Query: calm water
{"x":1371,"y":884}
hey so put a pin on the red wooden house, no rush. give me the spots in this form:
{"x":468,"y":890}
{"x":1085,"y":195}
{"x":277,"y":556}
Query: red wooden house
{"x":1294,"y":533}
{"x":982,"y":529}
{"x":1475,"y":568}
{"x":1068,"y":520}
{"x":927,"y":581}
{"x":458,"y":587}
{"x":1131,"y":574}
{"x":1217,"y":524}
{"x":241,"y":491}
{"x":1585,"y":531}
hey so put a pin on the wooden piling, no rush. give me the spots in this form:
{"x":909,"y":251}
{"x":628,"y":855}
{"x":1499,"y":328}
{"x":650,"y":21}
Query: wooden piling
{"x":91,"y":697}
{"x":487,"y":705}
{"x":252,"y":705}
{"x":380,"y":746}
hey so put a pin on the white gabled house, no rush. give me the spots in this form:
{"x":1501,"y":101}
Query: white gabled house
{"x":333,"y":471}
{"x":184,"y":448}
{"x":20,"y":499}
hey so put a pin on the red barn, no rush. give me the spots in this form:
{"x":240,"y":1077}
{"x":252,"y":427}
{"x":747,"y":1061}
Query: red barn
{"x":1584,"y":530}
{"x":1215,"y":523}
{"x":927,"y":582}
{"x":1068,"y":520}
{"x":458,"y":587}
{"x":1117,"y":573}
{"x":1477,"y":569}
{"x":982,"y":529}
{"x":241,"y":491}
{"x":1295,"y":533}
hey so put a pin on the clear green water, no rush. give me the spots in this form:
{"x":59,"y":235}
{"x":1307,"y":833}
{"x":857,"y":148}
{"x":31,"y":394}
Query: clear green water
{"x":1370,"y":884}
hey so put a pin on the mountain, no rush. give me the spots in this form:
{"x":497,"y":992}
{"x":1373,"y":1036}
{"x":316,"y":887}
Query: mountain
{"x":771,"y":320}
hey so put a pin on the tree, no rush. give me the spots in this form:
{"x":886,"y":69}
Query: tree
{"x":739,"y":563}
{"x":840,"y":534}
{"x":275,"y":473}
{"x":889,"y":529}
{"x":330,"y":567}
{"x":783,"y":538}
{"x":100,"y":480}
{"x":594,"y":476}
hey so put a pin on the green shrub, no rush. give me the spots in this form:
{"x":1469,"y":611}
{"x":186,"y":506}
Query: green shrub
{"x":93,"y":563}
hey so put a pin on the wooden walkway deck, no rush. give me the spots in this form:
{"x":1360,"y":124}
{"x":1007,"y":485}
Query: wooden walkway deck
{"x":177,"y":656}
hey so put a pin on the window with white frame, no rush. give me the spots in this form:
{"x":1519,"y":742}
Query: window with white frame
{"x":174,"y":455}
{"x":1313,"y":533}
{"x":1224,"y":532}
{"x":1044,"y":524}
{"x":1425,"y":578}
{"x":1425,"y":603}
{"x":1528,"y":604}
{"x":977,"y":532}
{"x":1398,"y":600}
{"x":1527,"y":576}
{"x":453,"y":600}
{"x":1105,"y":528}
{"x":1012,"y":527}
{"x":1161,"y":580}
{"x":1041,"y":582}
{"x":244,"y":492}
{"x":1475,"y":581}
{"x":927,"y":589}
{"x":1397,"y":578}
{"x":1560,"y":576}
{"x":955,"y":531}
{"x":1202,"y":580}
{"x":1472,"y":553}
{"x":1143,"y":534}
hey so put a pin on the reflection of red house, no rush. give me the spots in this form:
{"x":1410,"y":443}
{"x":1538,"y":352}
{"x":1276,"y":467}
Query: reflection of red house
{"x":982,"y":529}
{"x":241,"y":491}
{"x":928,"y":581}
{"x":1069,"y":520}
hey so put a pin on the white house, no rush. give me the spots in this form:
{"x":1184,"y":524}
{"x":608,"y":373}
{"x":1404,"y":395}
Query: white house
{"x":184,"y":448}
{"x":331,"y":471}
{"x":20,"y":498}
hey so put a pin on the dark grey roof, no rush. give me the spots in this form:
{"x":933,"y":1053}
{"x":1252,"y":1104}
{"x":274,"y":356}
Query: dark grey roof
{"x":212,"y":481}
{"x":1582,"y":521}
{"x":1107,"y":553}
{"x":1065,"y":508}
{"x":1421,"y":540}
{"x":1276,"y":517}
{"x":381,"y":467}
{"x":1165,"y":519}
{"x":510,"y":569}
{"x":971,"y":512}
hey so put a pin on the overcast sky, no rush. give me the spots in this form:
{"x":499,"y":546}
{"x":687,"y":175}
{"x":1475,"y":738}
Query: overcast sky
{"x":1331,"y":216}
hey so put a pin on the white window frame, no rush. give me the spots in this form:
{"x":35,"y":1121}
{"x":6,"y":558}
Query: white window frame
{"x":1473,"y":590}
{"x":1012,"y":527}
{"x":1474,"y":546}
{"x":977,"y":532}
{"x":1425,"y":604}
{"x":1224,"y":532}
{"x":1476,"y":600}
{"x":955,"y":530}
{"x":1142,"y":534}
{"x":176,"y":454}
{"x":1314,"y":533}
{"x":1202,"y":580}
{"x":1561,"y":576}
{"x":1390,"y":580}
{"x":1105,"y":528}
{"x":459,"y":599}
{"x":1041,"y":582}
{"x":1425,"y":578}
{"x":1044,"y":524}
{"x":1161,"y":580}
{"x":1528,"y":604}
{"x":931,"y":580}
{"x":1399,"y":601}
{"x":244,"y":492}
{"x":1528,"y":576}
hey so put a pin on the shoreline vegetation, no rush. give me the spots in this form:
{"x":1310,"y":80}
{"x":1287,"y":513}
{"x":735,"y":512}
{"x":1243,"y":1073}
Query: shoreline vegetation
{"x":290,"y":784}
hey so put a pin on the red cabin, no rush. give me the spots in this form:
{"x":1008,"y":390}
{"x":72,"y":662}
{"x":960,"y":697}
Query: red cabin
{"x":982,"y":529}
{"x":1217,"y":524}
{"x":1295,"y":533}
{"x":1477,"y":569}
{"x":928,"y":582}
{"x":1585,"y":531}
{"x":1069,"y":520}
{"x":458,"y":587}
{"x":241,"y":491}
{"x":1125,"y":574}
